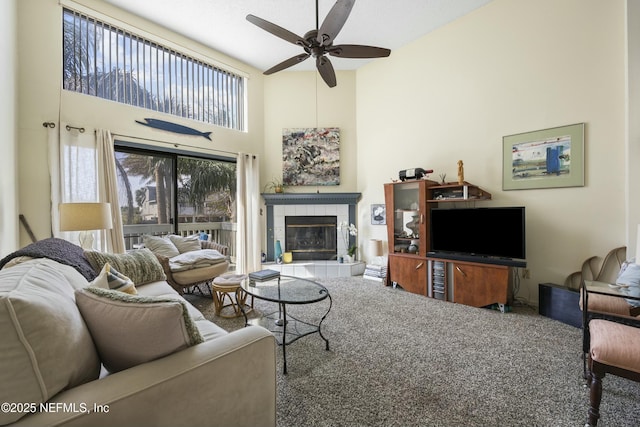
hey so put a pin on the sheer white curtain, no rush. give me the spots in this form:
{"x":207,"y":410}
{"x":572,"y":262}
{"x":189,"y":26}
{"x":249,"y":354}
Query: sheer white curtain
{"x":53,"y":144}
{"x":108,"y":189}
{"x":82,"y":169}
{"x":248,"y":248}
{"x":73,"y":175}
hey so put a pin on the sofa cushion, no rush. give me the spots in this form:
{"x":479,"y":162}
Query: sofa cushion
{"x":160,"y":245}
{"x":186,"y":244}
{"x":140,"y":265}
{"x":110,"y":278}
{"x":208,"y":329}
{"x":131,"y":329}
{"x":45,"y":345}
{"x":202,"y":274}
{"x":196,"y":259}
{"x":615,"y":344}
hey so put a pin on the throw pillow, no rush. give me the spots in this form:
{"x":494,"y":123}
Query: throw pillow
{"x":630,"y":276}
{"x":110,"y":278}
{"x":141,"y":265}
{"x":160,"y":245}
{"x":186,"y":244}
{"x":131,"y":329}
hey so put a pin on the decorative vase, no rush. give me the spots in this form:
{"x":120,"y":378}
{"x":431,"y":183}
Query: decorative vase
{"x":277,"y":248}
{"x":414,"y":225}
{"x":287,"y":257}
{"x":413,"y":247}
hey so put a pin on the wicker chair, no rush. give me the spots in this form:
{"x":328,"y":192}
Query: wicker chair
{"x":190,"y":280}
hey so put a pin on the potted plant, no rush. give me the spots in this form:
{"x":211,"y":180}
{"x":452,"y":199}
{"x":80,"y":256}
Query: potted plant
{"x":349,"y":230}
{"x":276,"y":185}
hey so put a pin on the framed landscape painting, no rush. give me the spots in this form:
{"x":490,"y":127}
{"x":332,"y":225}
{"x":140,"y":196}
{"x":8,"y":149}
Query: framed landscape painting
{"x":547,"y":158}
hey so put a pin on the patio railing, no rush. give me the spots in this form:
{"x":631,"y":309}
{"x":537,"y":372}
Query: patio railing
{"x":219,"y":232}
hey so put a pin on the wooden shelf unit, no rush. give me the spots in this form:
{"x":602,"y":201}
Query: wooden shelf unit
{"x":465,"y":282}
{"x":407,"y":202}
{"x":469,"y":283}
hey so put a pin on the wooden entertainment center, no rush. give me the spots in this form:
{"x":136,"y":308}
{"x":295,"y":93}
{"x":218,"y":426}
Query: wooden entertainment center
{"x":463,"y":279}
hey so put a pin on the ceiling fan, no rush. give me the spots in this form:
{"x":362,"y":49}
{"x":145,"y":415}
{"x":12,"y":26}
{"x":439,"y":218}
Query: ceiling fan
{"x":319,"y":42}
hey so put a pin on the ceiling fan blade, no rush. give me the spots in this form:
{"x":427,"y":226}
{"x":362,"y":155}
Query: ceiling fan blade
{"x":276,"y":30}
{"x":334,"y":21}
{"x":357,"y":51}
{"x":326,"y":70}
{"x":288,"y":63}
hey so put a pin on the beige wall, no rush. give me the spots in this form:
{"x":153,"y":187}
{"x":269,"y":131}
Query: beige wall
{"x":506,"y":68}
{"x":633,"y":125}
{"x":295,"y":99}
{"x":8,"y":106}
{"x":41,"y":99}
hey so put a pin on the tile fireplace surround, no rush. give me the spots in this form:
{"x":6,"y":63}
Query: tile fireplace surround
{"x":280,"y":205}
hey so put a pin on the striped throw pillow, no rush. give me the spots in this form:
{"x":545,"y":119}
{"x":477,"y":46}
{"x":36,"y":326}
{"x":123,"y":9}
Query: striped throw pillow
{"x":110,"y":278}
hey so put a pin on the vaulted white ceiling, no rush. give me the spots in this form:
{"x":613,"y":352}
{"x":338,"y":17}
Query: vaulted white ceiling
{"x":222,"y":24}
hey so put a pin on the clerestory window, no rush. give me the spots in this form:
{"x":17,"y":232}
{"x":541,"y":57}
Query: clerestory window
{"x":103,"y":60}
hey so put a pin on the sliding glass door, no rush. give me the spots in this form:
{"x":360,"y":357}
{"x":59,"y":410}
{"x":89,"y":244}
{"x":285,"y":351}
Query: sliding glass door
{"x":146,"y":183}
{"x":165,"y":192}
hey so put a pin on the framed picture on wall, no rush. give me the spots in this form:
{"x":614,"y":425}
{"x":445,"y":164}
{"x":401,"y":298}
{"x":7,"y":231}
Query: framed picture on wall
{"x":311,"y":156}
{"x":378,"y":214}
{"x":547,"y":158}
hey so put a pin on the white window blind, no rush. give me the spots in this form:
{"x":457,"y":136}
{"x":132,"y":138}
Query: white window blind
{"x":103,"y":60}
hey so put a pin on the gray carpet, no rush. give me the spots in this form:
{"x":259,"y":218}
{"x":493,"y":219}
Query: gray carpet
{"x":398,"y":359}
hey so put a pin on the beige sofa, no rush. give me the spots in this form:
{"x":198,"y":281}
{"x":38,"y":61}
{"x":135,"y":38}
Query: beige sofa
{"x":51,"y":372}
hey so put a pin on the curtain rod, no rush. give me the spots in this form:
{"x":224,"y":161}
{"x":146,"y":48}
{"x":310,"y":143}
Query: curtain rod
{"x":175,"y":144}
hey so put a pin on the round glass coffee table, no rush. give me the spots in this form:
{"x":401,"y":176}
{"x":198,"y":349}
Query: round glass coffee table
{"x":287,"y":290}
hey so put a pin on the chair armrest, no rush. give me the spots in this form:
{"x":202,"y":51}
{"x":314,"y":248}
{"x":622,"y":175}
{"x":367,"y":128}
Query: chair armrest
{"x":205,"y":244}
{"x":230,"y":380}
{"x":164,"y":261}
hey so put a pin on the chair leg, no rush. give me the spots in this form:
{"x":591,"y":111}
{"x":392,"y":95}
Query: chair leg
{"x":595,"y":393}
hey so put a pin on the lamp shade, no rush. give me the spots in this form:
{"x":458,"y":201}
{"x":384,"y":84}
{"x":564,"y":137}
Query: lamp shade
{"x":375,"y":247}
{"x":85,"y":216}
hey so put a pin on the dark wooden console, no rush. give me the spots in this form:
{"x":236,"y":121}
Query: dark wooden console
{"x":560,"y":303}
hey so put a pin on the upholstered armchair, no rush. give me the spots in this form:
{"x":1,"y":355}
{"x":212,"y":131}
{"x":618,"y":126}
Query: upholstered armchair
{"x":607,"y":271}
{"x":614,"y":349}
{"x":189,"y":262}
{"x":600,"y":306}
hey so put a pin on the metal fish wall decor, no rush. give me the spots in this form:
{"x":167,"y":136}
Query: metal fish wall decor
{"x":173,"y":127}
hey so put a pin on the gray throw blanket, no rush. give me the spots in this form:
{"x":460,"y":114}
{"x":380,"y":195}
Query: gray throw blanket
{"x":58,"y":250}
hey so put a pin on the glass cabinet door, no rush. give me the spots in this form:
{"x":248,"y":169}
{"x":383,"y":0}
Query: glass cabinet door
{"x":407,"y":218}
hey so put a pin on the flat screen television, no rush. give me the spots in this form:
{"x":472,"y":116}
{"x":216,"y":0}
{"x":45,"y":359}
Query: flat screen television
{"x":480,"y":232}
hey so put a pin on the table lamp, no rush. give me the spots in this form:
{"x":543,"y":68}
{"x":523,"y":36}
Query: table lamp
{"x":375,"y":248}
{"x":85,"y":217}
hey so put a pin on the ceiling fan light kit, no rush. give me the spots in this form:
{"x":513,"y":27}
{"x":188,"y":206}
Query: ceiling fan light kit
{"x":319,"y":42}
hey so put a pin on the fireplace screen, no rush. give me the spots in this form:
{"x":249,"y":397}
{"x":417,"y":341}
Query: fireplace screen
{"x":311,"y":237}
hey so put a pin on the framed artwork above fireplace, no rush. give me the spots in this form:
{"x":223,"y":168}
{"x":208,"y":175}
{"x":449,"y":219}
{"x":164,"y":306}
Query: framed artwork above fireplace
{"x":311,"y":156}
